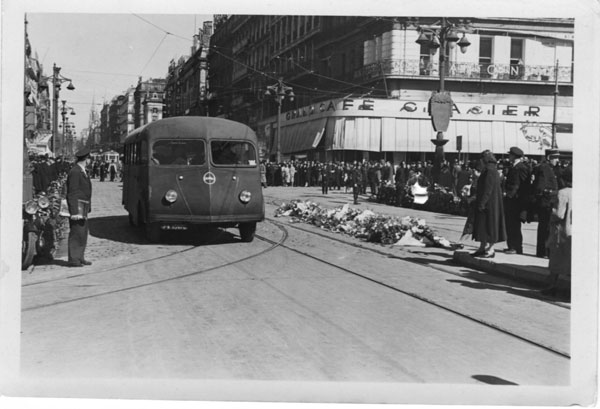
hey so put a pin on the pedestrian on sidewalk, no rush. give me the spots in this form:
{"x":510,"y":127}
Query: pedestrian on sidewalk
{"x":356,"y":182}
{"x":324,"y":177}
{"x":488,"y":226}
{"x":516,"y":201}
{"x":263,"y":174}
{"x":559,"y":239}
{"x":545,"y":189}
{"x":112,"y":169}
{"x":79,"y":197}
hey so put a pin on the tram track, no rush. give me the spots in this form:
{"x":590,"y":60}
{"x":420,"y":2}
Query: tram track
{"x":358,"y":244}
{"x":411,"y":294}
{"x":274,"y":245}
{"x":284,"y":228}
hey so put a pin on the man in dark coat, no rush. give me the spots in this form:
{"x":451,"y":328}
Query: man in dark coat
{"x":545,"y":190}
{"x":79,"y":196}
{"x":516,"y":201}
{"x":356,"y":176}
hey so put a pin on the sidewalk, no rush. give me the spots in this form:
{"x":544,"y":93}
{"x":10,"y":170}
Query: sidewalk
{"x":526,"y":268}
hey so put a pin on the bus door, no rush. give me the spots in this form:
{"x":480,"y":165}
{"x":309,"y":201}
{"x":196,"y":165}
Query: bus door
{"x":179,"y":165}
{"x":234,"y":167}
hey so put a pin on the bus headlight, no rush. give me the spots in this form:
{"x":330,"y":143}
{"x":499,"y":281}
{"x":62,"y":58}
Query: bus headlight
{"x":245,"y":196}
{"x":31,"y":207}
{"x":171,"y":196}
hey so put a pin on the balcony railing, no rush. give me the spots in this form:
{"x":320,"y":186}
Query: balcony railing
{"x":508,"y":72}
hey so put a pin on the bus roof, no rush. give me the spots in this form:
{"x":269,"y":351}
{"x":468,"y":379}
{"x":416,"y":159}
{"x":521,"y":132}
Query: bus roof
{"x":192,"y":127}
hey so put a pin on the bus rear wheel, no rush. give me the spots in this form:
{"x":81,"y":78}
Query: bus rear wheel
{"x":247,"y":231}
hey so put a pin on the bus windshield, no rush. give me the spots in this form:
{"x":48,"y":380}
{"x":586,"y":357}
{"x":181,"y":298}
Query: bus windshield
{"x":178,"y":152}
{"x":232,"y":153}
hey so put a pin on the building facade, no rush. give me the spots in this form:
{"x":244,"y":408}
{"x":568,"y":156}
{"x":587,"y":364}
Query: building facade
{"x":186,"y":82}
{"x":125,"y":109}
{"x":362,"y":84}
{"x":148,"y":101}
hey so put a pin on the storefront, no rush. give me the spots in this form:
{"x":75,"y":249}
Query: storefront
{"x":402,"y":129}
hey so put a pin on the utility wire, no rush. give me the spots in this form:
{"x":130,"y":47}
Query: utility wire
{"x":160,"y":28}
{"x":154,"y":53}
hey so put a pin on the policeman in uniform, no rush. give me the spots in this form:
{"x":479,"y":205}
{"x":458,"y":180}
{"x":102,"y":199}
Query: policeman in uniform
{"x":516,"y":201}
{"x":79,"y":196}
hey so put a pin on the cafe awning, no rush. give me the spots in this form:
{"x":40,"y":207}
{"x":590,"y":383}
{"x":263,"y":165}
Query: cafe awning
{"x":354,"y":133}
{"x":302,"y":136}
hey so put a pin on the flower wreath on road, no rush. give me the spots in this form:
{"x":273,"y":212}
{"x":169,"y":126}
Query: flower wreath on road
{"x":365,"y":224}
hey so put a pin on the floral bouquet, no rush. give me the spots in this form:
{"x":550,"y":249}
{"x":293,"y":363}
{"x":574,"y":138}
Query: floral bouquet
{"x":365,"y":224}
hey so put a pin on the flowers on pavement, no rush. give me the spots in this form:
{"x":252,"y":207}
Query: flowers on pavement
{"x":364,"y":224}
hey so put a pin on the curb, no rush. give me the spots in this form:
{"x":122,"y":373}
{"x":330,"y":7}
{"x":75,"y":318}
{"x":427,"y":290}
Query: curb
{"x":526,"y":274}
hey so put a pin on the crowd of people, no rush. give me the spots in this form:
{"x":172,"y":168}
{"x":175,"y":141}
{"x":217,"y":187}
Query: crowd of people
{"x":45,"y":169}
{"x":103,"y":169}
{"x":501,"y":201}
{"x":501,"y":196}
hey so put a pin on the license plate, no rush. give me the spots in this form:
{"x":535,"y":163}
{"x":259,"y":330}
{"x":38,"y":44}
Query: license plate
{"x":173,"y":227}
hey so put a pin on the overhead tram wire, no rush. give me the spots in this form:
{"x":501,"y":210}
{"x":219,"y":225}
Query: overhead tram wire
{"x":154,"y":53}
{"x":296,"y":86}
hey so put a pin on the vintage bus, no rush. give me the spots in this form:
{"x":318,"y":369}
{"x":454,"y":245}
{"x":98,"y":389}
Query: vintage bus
{"x":192,"y":171}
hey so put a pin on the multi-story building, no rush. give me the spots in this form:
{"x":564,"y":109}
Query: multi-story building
{"x":126,"y":110}
{"x":186,"y":83}
{"x":148,"y":101}
{"x":362,"y":85}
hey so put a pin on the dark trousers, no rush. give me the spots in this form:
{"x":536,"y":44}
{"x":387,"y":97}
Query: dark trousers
{"x":324,"y":187}
{"x":542,"y":231}
{"x":514,"y":237}
{"x":355,"y":189}
{"x":78,"y":234}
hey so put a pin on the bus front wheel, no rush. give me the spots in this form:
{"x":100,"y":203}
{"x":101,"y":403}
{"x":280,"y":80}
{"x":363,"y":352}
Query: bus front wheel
{"x":247,"y":231}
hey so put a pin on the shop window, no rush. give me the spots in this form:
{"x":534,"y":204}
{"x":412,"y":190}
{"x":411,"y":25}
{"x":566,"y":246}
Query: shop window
{"x":485,"y":56}
{"x":517,"y":68}
{"x":425,"y":61}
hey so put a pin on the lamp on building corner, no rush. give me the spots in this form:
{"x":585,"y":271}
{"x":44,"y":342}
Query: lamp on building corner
{"x":442,"y":35}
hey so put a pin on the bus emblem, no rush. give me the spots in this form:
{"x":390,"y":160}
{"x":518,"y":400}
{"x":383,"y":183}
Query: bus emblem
{"x":209,"y":178}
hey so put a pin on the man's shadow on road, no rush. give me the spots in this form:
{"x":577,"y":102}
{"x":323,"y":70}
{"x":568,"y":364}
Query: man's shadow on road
{"x":481,"y":280}
{"x":118,"y":229}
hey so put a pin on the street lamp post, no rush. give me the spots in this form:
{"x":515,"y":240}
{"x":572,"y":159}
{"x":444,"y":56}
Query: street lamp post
{"x":64,"y":111}
{"x":554,"y":146}
{"x":442,"y":36}
{"x":280,"y":91}
{"x":57,"y":80}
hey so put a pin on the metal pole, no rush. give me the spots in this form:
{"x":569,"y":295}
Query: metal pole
{"x":56,"y":86}
{"x":554,"y":112}
{"x":278,"y":126}
{"x":439,"y":138}
{"x":442,"y":58}
{"x":64,"y":128}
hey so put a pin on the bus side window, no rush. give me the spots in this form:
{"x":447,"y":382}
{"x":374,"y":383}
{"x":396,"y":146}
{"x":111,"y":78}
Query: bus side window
{"x":143,"y":153}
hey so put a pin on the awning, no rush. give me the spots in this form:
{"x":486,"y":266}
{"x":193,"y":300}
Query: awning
{"x":302,"y":136}
{"x":354,"y":133}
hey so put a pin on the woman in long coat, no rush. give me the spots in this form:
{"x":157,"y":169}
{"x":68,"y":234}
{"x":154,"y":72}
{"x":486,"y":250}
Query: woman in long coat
{"x":489,"y":226}
{"x":559,"y":239}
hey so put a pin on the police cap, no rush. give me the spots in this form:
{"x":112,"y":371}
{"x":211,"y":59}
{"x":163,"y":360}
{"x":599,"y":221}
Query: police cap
{"x":516,"y":152}
{"x":82,"y":153}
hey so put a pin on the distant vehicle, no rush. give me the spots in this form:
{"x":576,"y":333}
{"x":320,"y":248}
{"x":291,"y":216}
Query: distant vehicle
{"x":192,"y":171}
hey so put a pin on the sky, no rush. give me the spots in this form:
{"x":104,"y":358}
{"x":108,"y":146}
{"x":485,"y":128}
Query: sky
{"x":104,"y":54}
